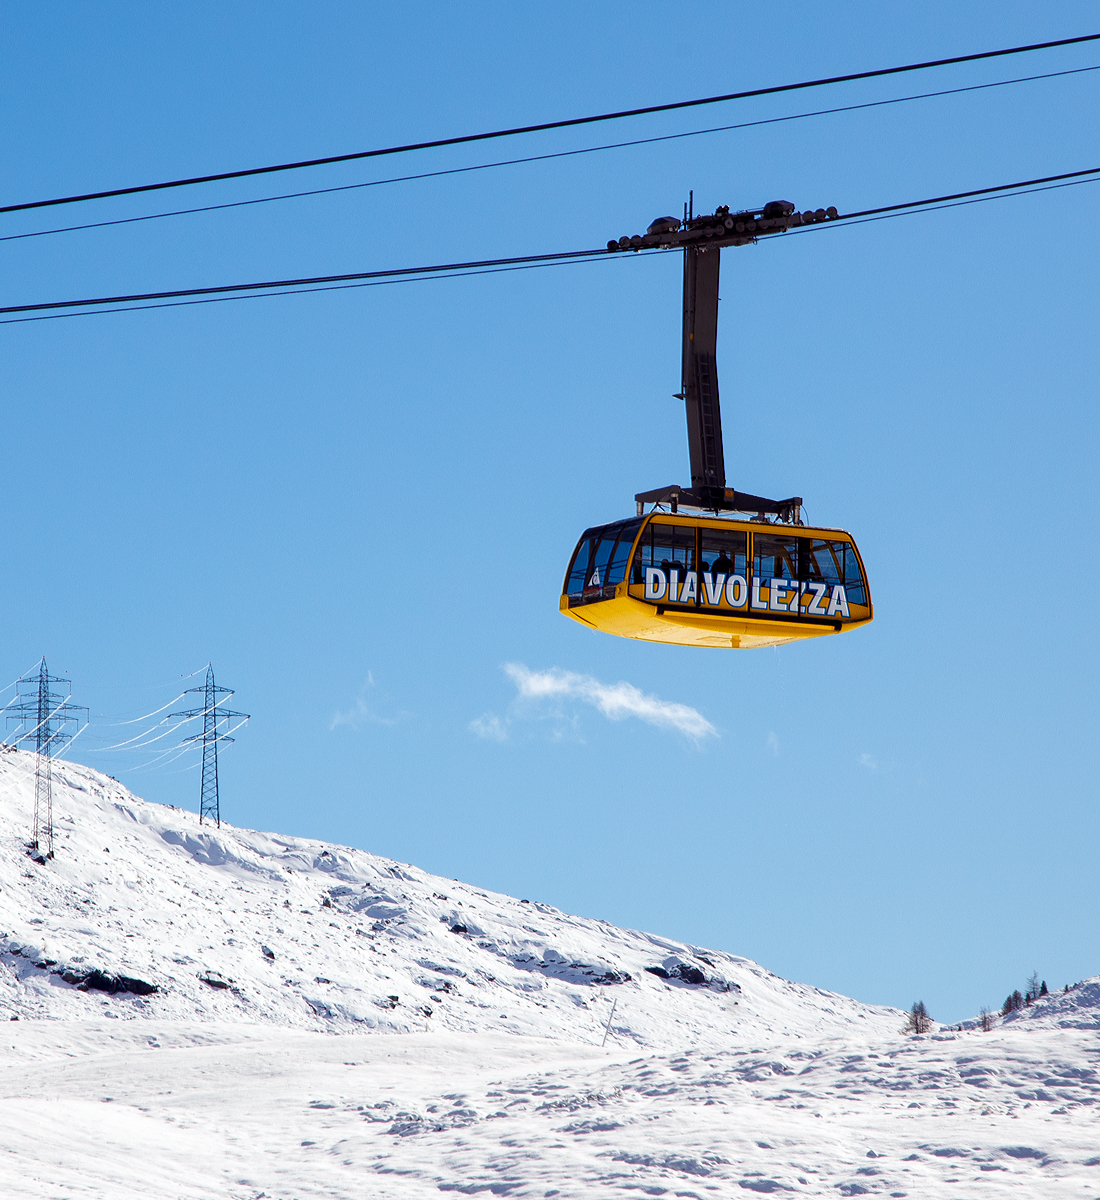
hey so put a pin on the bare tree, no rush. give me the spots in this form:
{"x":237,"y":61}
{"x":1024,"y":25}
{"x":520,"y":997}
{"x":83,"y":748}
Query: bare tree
{"x":986,"y":1019}
{"x":918,"y":1020}
{"x":1032,"y":992}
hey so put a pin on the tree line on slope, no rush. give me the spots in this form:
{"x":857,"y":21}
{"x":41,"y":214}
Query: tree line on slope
{"x":919,"y":1020}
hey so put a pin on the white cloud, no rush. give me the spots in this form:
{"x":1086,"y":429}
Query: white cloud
{"x":773,"y":743}
{"x":361,"y":712}
{"x":866,"y":760}
{"x":490,"y":727}
{"x":615,"y":700}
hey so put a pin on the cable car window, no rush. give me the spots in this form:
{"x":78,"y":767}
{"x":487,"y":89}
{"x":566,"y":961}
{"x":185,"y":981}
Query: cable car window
{"x":671,"y":550}
{"x":853,"y":577}
{"x":578,"y":571}
{"x":670,"y":547}
{"x":826,"y":561}
{"x":601,"y":556}
{"x":597,"y":571}
{"x":775,"y":557}
{"x":616,"y":569}
{"x":836,"y":562}
{"x":723,"y":551}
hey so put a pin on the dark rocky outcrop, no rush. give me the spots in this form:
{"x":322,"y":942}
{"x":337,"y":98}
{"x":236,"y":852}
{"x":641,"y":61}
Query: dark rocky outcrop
{"x":102,"y":981}
{"x":676,"y":969}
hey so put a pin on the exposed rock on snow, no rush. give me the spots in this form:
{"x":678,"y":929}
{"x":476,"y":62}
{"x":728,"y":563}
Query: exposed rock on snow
{"x":674,"y":967}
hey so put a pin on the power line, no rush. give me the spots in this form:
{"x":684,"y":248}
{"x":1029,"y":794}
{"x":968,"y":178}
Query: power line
{"x":317,"y":282}
{"x":533,"y":158}
{"x":546,"y":125}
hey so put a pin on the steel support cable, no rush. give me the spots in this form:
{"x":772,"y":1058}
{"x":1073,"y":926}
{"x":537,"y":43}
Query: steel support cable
{"x":146,"y":716}
{"x":21,"y":678}
{"x":336,"y":287}
{"x":545,"y":126}
{"x":161,"y":756}
{"x":46,"y":720}
{"x":149,"y":687}
{"x":519,"y":261}
{"x":601,"y":256}
{"x":129,"y":743}
{"x":190,"y":767}
{"x":535,"y":158}
{"x":157,"y":755}
{"x":30,"y":773}
{"x":144,"y":732}
{"x":914,"y":212}
{"x":191,"y":744}
{"x":986,"y":191}
{"x":306,"y":282}
{"x":60,"y":757}
{"x":135,"y":720}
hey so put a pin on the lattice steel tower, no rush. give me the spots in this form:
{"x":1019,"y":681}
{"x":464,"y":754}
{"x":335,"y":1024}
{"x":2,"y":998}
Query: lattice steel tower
{"x":213,"y":716}
{"x":50,"y":716}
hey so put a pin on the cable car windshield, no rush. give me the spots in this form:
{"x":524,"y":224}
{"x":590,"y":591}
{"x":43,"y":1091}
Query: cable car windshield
{"x":828,"y":562}
{"x":601,"y":556}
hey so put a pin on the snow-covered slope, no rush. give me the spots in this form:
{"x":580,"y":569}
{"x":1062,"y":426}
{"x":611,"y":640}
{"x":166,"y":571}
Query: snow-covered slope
{"x":229,"y":924}
{"x":717,"y":1078}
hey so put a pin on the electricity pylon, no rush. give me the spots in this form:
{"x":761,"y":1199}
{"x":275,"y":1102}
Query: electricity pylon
{"x":213,"y":716}
{"x":50,"y":715}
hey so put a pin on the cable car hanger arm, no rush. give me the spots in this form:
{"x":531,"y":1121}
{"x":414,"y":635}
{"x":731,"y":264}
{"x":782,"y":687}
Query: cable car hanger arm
{"x":701,"y":239}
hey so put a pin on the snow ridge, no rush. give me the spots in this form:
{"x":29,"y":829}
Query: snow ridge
{"x":232,"y":924}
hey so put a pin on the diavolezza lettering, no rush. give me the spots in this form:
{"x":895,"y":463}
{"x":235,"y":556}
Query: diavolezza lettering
{"x":806,"y":597}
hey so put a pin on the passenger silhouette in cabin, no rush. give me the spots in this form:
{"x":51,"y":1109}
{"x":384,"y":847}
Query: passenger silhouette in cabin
{"x":722,"y":565}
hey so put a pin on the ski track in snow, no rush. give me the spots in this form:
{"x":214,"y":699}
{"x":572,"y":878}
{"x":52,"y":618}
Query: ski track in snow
{"x":333,"y":1024}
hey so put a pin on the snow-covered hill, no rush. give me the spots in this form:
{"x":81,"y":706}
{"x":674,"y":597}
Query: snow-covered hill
{"x":469,"y":1054}
{"x":229,"y":924}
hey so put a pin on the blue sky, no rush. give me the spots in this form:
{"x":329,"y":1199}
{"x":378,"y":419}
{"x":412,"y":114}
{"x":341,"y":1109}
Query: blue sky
{"x":360,"y":504}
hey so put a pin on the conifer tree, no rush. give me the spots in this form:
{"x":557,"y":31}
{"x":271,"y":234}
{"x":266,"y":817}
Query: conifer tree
{"x":1012,"y":1002}
{"x":919,"y":1020}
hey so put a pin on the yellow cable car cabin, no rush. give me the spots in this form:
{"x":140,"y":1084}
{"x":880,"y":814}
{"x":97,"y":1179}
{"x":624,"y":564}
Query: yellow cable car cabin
{"x":701,"y":579}
{"x":711,"y":581}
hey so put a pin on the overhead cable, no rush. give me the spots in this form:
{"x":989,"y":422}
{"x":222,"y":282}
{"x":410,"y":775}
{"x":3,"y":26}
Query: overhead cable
{"x":360,"y":278}
{"x":534,"y":158}
{"x":146,"y":716}
{"x":602,"y":256}
{"x":545,"y":126}
{"x":601,"y":252}
{"x":21,"y":678}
